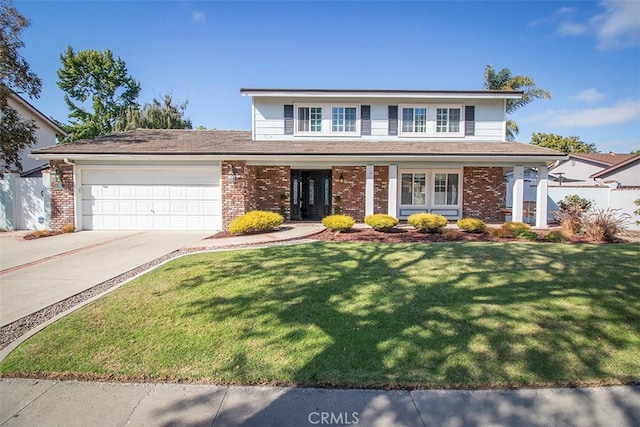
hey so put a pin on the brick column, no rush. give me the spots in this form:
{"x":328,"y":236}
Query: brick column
{"x":381,"y":190}
{"x":238,"y":190}
{"x":62,"y":195}
{"x":349,"y":184}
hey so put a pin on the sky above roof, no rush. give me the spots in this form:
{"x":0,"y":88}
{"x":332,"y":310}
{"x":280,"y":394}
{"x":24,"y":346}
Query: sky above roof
{"x":586,"y":53}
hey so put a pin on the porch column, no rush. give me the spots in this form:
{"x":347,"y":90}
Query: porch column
{"x":392,"y":208}
{"x":368,"y":207}
{"x":518,"y":193}
{"x":541,"y":197}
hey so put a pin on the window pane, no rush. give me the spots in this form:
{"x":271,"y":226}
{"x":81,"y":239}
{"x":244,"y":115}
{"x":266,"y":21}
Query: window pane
{"x":420,"y":120}
{"x":407,"y":120}
{"x":441,"y":120}
{"x":419,"y":181}
{"x":452,"y":189}
{"x":327,"y":194}
{"x":350,"y":119}
{"x":407,"y":180}
{"x":454,"y":120}
{"x":303,"y":119}
{"x":439,"y":188}
{"x":337,"y":119}
{"x":312,"y":194}
{"x":316,"y":119}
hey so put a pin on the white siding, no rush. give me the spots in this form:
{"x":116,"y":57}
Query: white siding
{"x":45,"y":135}
{"x":627,"y":176}
{"x":269,"y":118}
{"x":576,"y":172}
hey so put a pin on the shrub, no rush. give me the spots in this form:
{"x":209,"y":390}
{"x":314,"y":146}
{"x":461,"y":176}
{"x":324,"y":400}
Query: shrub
{"x":256,"y":222}
{"x":68,"y":228}
{"x":381,"y":222}
{"x":338,"y":222}
{"x":603,"y":225}
{"x":471,"y":225}
{"x":575,"y":201}
{"x":451,"y":235}
{"x":509,"y":230}
{"x":427,"y":222}
{"x":572,"y":208}
{"x":526,"y":235}
{"x":558,"y":235}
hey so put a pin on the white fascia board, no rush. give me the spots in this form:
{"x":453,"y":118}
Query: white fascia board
{"x":261,"y":159}
{"x":383,"y":95}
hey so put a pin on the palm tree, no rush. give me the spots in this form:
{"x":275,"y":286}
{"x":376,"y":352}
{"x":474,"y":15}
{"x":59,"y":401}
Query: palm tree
{"x":503,"y":80}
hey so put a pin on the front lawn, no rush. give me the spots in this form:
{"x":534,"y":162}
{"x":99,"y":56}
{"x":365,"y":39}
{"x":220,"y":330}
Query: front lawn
{"x":363,"y":315}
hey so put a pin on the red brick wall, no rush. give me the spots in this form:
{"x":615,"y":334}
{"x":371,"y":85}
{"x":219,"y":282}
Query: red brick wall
{"x":351,"y":188}
{"x":381,"y":189}
{"x":271,"y":183}
{"x":62,"y":204}
{"x":484,"y":190}
{"x":237,"y":197}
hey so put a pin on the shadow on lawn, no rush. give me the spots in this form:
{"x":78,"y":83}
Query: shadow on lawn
{"x":464,"y":331}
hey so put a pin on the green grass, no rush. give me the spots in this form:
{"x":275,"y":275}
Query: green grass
{"x":363,"y":315}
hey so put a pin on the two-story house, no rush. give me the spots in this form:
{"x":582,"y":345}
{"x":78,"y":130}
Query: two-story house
{"x":309,"y":153}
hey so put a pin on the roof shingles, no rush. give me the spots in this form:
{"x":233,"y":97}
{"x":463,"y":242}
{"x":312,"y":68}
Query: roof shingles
{"x":231,"y":142}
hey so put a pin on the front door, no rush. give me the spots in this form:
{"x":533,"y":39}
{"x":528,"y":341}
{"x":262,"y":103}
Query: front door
{"x":311,"y":194}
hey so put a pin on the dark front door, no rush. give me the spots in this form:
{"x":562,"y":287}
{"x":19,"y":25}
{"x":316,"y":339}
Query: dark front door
{"x":310,"y":194}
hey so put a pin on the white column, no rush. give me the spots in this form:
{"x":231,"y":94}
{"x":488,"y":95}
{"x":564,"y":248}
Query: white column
{"x":541,"y":197}
{"x":392,"y":208}
{"x":518,"y":193}
{"x":368,"y":210}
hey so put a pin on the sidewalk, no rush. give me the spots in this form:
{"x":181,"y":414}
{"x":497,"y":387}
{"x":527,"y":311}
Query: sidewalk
{"x":28,"y":402}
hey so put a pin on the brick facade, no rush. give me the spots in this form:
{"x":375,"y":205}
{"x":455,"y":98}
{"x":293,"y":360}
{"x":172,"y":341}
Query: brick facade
{"x":484,"y":190}
{"x":237,"y":196}
{"x":273,"y":189}
{"x":381,"y":189}
{"x":349,"y":184}
{"x":62,"y":203}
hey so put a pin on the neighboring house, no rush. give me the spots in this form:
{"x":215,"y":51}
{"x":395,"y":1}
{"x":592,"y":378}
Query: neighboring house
{"x":597,"y":169}
{"x":46,"y":134}
{"x":24,"y":201}
{"x":309,"y":153}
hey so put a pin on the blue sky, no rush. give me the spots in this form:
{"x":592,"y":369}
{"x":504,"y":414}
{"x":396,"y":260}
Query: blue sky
{"x":586,"y":53}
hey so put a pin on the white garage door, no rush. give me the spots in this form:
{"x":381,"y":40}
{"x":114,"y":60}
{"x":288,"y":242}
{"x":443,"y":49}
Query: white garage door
{"x":162,"y":199}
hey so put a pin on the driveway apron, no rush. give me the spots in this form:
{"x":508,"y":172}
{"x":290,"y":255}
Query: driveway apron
{"x":35,"y":274}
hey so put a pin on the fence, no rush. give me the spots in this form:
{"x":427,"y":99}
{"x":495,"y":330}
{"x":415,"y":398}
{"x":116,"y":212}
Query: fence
{"x":25,"y":203}
{"x":602,"y":197}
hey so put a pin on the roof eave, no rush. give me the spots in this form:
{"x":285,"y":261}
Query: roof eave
{"x":381,"y":93}
{"x":57,"y":129}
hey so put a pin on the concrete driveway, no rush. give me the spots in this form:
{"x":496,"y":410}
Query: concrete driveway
{"x":37,"y":273}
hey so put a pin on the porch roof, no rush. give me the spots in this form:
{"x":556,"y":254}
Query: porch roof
{"x":233,"y":144}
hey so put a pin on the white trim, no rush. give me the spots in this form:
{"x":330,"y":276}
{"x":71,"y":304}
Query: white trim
{"x":319,"y":93}
{"x":542,"y":190}
{"x":369,"y":189}
{"x":518,"y":194}
{"x":393,"y":191}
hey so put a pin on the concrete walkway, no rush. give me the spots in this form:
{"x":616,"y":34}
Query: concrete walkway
{"x":28,"y":402}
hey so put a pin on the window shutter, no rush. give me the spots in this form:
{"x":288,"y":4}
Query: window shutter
{"x":288,"y":119}
{"x":365,"y":120}
{"x":393,"y":119}
{"x":469,"y":120}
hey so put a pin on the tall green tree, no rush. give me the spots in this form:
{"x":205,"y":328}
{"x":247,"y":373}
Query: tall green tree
{"x":503,"y":80}
{"x":16,"y":76}
{"x":566,"y":144}
{"x":157,"y":114}
{"x":98,"y":91}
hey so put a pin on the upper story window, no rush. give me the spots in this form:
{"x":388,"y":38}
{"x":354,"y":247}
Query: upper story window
{"x":344,"y":119}
{"x":448,"y":120}
{"x":430,"y":120}
{"x":309,"y":119}
{"x":414,"y":119}
{"x":327,"y":119}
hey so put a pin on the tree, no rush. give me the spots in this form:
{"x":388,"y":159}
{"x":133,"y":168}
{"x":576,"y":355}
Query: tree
{"x":566,"y":144}
{"x":154,"y":115}
{"x":96,"y":79}
{"x":503,"y":80}
{"x":15,"y":77}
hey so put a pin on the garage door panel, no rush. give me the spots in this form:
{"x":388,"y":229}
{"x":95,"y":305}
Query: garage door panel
{"x":177,"y":199}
